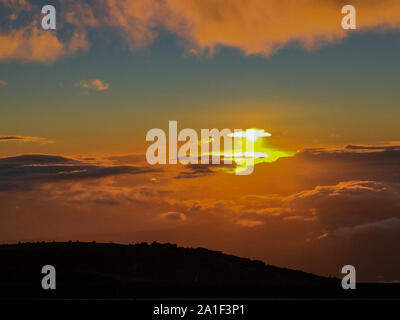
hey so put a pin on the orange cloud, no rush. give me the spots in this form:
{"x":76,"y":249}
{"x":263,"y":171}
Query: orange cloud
{"x":79,"y":13}
{"x":17,"y":5}
{"x":263,"y":27}
{"x":96,"y":84}
{"x":31,"y":44}
{"x":136,"y":20}
{"x":249,"y":223}
{"x":2,"y":83}
{"x":254,"y":26}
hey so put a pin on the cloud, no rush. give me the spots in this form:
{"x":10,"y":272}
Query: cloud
{"x":25,"y":41}
{"x":79,"y":13}
{"x":263,"y":27}
{"x":137,"y":20}
{"x":17,"y":5}
{"x":25,"y":139}
{"x":326,"y":166}
{"x":173,"y":216}
{"x":128,"y":158}
{"x":249,"y":223}
{"x":372,"y":148}
{"x":11,"y":138}
{"x":36,"y":159}
{"x":254,"y":26}
{"x":346,"y":204}
{"x":195,"y":171}
{"x":389,"y":226}
{"x":2,"y":83}
{"x":31,"y":44}
{"x":250,"y":134}
{"x":329,"y":188}
{"x":96,"y":84}
{"x":24,"y":172}
{"x":202,"y":170}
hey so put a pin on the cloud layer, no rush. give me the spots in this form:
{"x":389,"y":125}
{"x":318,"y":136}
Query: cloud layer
{"x":24,"y":139}
{"x":254,"y":26}
{"x":28,"y":171}
{"x":311,"y":211}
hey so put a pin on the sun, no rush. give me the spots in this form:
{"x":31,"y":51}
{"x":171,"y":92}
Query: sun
{"x":261,"y":152}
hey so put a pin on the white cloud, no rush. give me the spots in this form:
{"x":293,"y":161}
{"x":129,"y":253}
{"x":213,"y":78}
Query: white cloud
{"x":250,"y":134}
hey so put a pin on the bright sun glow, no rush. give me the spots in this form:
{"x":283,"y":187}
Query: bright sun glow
{"x":250,"y":134}
{"x":242,"y":158}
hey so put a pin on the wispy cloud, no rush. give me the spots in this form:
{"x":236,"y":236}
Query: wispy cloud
{"x":27,"y":171}
{"x":249,"y":223}
{"x":2,"y":83}
{"x":11,"y":138}
{"x":95,"y":84}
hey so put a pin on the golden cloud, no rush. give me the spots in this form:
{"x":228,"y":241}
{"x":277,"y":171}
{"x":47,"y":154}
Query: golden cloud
{"x":96,"y":84}
{"x":31,"y":44}
{"x":254,"y":26}
{"x":136,"y":20}
{"x":249,"y":223}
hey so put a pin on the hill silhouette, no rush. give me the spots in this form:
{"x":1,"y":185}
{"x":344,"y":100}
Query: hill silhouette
{"x":100,"y":270}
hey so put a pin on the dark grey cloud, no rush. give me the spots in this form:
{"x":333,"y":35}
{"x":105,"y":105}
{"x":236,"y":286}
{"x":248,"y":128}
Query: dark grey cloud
{"x":387,"y":148}
{"x":195,"y":171}
{"x":200,"y":170}
{"x":323,"y":166}
{"x":27,"y":171}
{"x":369,"y":155}
{"x":128,"y":158}
{"x":347,"y":204}
{"x":36,"y":159}
{"x":387,"y":227}
{"x":10,"y":138}
{"x":173,"y":216}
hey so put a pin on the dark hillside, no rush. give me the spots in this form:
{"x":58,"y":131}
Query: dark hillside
{"x":98,"y":270}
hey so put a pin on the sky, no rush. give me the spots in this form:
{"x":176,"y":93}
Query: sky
{"x":76,"y":104}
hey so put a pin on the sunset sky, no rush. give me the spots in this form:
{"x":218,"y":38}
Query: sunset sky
{"x":76,"y":104}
